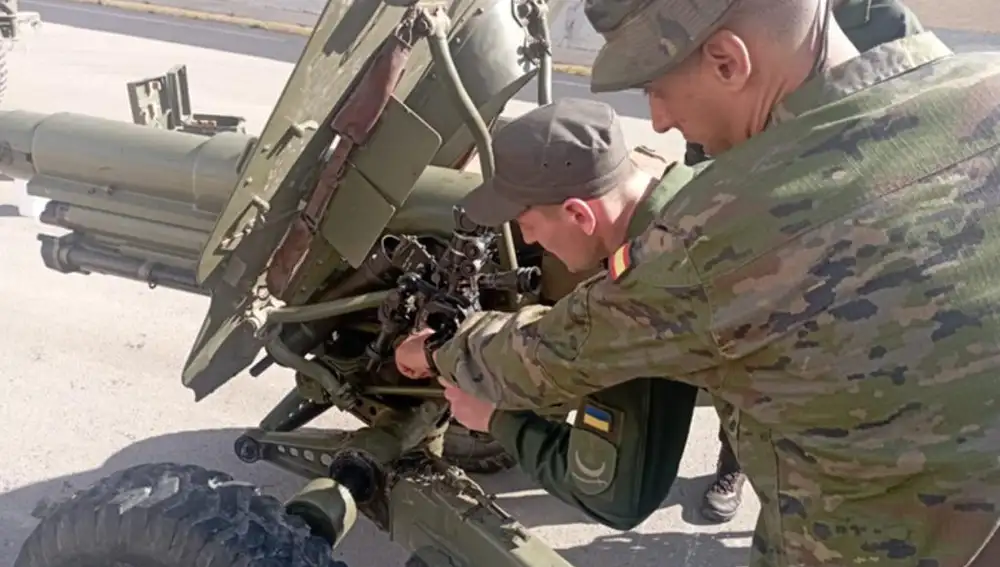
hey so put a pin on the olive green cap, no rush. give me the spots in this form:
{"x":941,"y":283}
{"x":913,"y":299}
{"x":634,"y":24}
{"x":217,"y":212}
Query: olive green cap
{"x":571,"y":148}
{"x":645,"y":39}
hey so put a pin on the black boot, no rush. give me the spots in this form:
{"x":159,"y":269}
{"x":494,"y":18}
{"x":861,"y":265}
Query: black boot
{"x":723,"y":498}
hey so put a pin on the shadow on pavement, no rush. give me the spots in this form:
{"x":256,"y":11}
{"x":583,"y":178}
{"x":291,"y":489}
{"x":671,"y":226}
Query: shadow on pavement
{"x":538,"y":509}
{"x":365,"y":546}
{"x":656,"y":550}
{"x":9,"y":211}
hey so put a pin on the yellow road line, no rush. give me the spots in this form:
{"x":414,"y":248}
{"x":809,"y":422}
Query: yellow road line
{"x":968,"y":15}
{"x":294,"y":29}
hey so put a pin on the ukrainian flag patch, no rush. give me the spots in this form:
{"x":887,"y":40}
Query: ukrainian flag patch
{"x":597,"y":418}
{"x":621,"y":261}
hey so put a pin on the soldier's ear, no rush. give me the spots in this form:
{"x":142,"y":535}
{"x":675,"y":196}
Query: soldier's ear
{"x":582,"y":214}
{"x":726,"y":58}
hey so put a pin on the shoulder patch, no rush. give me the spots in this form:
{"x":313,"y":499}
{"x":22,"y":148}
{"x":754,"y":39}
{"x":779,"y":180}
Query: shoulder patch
{"x":621,"y":261}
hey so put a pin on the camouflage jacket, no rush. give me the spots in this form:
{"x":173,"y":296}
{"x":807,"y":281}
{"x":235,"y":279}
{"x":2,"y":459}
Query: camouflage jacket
{"x":834,"y":283}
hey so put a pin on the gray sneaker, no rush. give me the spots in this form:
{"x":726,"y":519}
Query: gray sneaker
{"x":723,"y":498}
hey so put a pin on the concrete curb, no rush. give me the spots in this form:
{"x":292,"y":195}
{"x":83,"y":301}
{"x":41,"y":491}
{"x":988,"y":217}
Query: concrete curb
{"x":281,"y":27}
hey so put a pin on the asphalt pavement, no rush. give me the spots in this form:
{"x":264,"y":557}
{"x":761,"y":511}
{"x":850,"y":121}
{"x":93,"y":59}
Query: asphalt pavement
{"x":267,"y":44}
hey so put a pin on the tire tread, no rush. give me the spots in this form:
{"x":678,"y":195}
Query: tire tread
{"x":173,"y":515}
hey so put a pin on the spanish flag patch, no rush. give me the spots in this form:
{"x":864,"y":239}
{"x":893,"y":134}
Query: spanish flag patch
{"x":621,"y":261}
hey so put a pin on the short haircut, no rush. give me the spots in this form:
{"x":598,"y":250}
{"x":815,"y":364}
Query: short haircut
{"x":780,"y":20}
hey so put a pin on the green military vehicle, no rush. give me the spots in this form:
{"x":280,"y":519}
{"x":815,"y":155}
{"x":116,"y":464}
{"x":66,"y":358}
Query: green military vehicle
{"x":319,"y":243}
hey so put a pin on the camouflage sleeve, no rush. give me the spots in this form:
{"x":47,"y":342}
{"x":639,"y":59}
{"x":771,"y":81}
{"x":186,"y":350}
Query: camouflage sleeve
{"x":648,"y":316}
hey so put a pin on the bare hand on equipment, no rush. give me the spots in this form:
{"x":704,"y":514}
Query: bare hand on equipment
{"x":411,"y":361}
{"x":467,"y":409}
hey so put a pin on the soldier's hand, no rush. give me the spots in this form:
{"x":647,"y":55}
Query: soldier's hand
{"x":468,"y":410}
{"x":410,"y":358}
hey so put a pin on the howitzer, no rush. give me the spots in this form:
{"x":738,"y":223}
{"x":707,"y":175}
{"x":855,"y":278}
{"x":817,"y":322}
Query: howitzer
{"x":319,"y":243}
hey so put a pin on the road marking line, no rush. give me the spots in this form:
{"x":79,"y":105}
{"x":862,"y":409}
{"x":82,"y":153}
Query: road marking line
{"x":281,"y":27}
{"x":185,"y":23}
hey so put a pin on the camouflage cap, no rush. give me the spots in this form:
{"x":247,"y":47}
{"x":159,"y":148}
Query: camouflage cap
{"x":646,"y":38}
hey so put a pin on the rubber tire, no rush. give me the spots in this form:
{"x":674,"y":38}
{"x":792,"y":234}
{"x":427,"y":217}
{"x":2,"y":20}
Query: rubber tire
{"x":473,"y":452}
{"x":172,"y":515}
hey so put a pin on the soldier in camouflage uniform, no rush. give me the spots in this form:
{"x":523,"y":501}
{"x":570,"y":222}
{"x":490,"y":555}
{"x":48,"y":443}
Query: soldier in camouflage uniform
{"x":583,"y":194}
{"x":866,"y":23}
{"x":541,"y":446}
{"x":829,"y":278}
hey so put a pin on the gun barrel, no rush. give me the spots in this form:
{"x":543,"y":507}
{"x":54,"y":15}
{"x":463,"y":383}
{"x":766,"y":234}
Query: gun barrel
{"x":112,"y":155}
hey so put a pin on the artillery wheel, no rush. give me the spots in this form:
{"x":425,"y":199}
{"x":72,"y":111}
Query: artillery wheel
{"x":172,"y":515}
{"x":475,"y":452}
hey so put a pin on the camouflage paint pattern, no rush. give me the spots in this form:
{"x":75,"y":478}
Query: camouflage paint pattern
{"x":835,"y":284}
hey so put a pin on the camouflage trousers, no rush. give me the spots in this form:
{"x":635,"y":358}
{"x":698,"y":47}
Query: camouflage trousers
{"x":726,"y":454}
